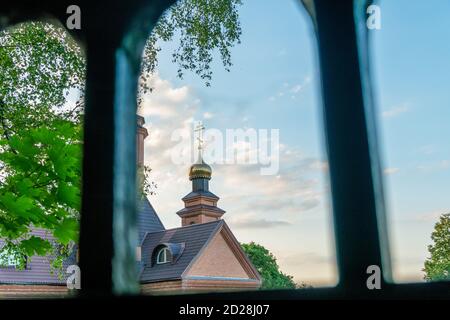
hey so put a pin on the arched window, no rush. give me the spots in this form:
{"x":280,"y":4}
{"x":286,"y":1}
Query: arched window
{"x":163,"y":255}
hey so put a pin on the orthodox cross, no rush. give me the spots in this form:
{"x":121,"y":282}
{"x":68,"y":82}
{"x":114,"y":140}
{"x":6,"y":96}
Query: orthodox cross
{"x":200,"y":128}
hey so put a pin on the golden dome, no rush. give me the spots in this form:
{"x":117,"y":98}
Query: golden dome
{"x":200,"y":170}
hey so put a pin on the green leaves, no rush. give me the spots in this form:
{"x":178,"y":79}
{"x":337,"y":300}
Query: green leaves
{"x":69,"y":195}
{"x":66,"y":231}
{"x":202,"y":28}
{"x":16,"y":206}
{"x":41,"y":187}
{"x":437,"y":266}
{"x":266,"y":264}
{"x":39,"y":64}
{"x":41,"y":134}
{"x":35,"y":246}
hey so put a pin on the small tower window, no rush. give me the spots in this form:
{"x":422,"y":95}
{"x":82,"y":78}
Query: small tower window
{"x":163,"y":256}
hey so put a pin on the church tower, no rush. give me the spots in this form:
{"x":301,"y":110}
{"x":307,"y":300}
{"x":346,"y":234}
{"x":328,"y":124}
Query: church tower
{"x":200,"y":205}
{"x":141,"y":134}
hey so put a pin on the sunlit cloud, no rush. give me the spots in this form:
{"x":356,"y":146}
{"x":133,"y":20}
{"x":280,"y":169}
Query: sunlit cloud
{"x":255,"y":223}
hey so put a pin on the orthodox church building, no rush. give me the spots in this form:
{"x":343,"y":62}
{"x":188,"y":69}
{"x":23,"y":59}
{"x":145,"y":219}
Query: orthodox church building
{"x":201,"y":255}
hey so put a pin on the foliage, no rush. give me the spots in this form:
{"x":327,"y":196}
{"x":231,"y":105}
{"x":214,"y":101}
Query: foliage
{"x":40,"y":138}
{"x":39,"y":64}
{"x":40,"y":133}
{"x":437,"y":266}
{"x":146,"y":186}
{"x":41,"y":174}
{"x":266,"y":264}
{"x":202,"y":27}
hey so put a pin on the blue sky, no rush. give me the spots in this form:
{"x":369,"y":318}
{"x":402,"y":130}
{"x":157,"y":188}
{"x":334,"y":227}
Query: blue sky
{"x":273,"y":83}
{"x":412,"y":76}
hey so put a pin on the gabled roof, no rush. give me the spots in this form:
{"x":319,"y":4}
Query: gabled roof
{"x":147,"y":219}
{"x":38,"y":269}
{"x":195,"y":237}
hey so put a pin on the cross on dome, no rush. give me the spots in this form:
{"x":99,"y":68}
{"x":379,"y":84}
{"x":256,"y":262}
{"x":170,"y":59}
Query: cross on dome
{"x":199,"y":128}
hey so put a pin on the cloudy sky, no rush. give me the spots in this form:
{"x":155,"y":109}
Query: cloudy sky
{"x":273,"y":84}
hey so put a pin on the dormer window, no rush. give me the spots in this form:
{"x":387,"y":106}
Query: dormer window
{"x":166,"y":252}
{"x":163,"y":255}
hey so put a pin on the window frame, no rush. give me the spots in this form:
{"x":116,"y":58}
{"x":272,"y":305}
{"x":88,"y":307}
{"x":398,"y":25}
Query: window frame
{"x":108,"y":204}
{"x":166,"y":252}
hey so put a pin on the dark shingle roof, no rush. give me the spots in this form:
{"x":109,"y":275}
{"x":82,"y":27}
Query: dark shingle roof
{"x":194,"y":194}
{"x":147,"y":219}
{"x":194,"y":237}
{"x":38,"y":270}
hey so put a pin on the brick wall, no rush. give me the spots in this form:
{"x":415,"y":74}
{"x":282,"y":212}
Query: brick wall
{"x":32,"y":291}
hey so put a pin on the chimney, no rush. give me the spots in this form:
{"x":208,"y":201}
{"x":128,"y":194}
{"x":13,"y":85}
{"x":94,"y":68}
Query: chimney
{"x":141,"y":134}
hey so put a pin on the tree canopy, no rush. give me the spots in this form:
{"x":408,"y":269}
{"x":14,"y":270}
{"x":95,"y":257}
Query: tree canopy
{"x":40,"y":137}
{"x":267,"y":266}
{"x":437,"y":266}
{"x":200,"y":28}
{"x":41,"y":132}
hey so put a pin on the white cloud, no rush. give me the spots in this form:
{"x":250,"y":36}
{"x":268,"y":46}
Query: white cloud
{"x":255,"y":223}
{"x":431,"y":215}
{"x":165,"y":100}
{"x":390,"y":171}
{"x":427,"y":149}
{"x":296,"y":88}
{"x":255,"y":205}
{"x":434,"y":166}
{"x":297,"y":188}
{"x":291,"y":90}
{"x":299,"y":87}
{"x":395,"y":111}
{"x":208,"y":115}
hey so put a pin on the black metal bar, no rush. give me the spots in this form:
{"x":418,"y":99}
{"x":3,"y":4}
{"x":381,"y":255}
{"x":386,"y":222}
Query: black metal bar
{"x":96,"y":249}
{"x":115,"y":40}
{"x":355,"y":219}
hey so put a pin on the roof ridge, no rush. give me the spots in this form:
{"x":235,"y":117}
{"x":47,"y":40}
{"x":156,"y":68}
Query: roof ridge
{"x":200,"y":252}
{"x":145,"y":199}
{"x":189,"y":226}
